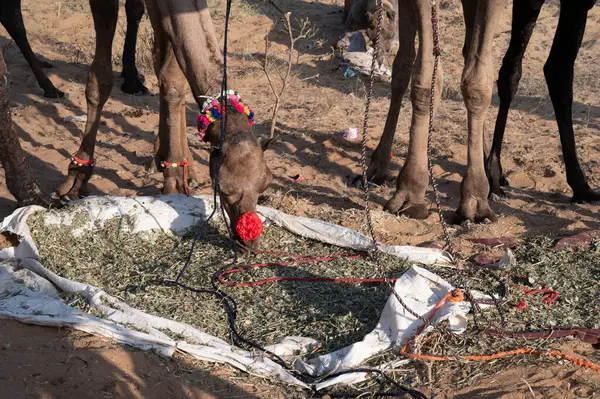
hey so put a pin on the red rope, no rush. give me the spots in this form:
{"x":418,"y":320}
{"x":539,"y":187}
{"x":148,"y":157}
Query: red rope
{"x":298,"y":259}
{"x":549,"y":296}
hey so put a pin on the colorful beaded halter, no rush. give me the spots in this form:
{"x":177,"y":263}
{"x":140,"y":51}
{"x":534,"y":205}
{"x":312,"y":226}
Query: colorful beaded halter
{"x":211,"y":110}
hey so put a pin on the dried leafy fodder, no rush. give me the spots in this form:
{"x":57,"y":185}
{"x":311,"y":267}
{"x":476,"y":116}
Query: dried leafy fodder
{"x":134,"y":269}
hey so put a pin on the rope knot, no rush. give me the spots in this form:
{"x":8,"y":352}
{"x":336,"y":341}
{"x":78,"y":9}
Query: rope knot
{"x":456,"y":295}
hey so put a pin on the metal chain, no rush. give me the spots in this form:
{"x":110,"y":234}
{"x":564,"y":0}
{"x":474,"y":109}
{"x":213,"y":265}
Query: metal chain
{"x":436,"y":54}
{"x":363,"y":163}
{"x":363,"y":154}
{"x":449,"y":247}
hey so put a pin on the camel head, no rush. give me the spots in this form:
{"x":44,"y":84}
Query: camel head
{"x":243,"y":174}
{"x":363,"y":15}
{"x":389,"y":25}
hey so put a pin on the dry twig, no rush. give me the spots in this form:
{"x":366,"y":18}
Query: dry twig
{"x":306,"y":31}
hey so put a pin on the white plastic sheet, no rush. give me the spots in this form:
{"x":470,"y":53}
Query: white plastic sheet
{"x":29,"y":291}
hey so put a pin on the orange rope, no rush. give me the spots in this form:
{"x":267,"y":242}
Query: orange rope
{"x":457,"y":296}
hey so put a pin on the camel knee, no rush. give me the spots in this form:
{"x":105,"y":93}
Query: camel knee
{"x":404,"y":61}
{"x":99,"y":85}
{"x":554,"y":70}
{"x":508,"y":80}
{"x":477,"y":95}
{"x":172,"y":92}
{"x":401,"y":72}
{"x":421,"y":99}
{"x":171,"y":79}
{"x":174,"y":95}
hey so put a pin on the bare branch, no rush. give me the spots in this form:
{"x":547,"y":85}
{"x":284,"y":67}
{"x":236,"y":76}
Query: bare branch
{"x":265,"y":70}
{"x":304,"y":32}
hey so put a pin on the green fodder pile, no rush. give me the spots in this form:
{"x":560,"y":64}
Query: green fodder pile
{"x":133,"y":269}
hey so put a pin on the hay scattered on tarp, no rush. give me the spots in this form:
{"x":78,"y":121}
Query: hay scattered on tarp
{"x":132,"y":269}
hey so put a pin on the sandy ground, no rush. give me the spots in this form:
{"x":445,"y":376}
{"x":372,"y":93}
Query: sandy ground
{"x":319,"y":106}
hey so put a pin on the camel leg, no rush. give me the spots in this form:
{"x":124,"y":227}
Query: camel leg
{"x":158,"y":155}
{"x":413,"y":179}
{"x":20,"y":179}
{"x":172,"y":85}
{"x":12,"y":20}
{"x":476,"y":85}
{"x":469,"y":13}
{"x":99,"y":85}
{"x":154,"y":165}
{"x":134,"y":82}
{"x":202,"y":62}
{"x":401,"y":71}
{"x":172,"y":99}
{"x":559,"y":71}
{"x":525,"y":14}
{"x":185,"y":148}
{"x":200,"y":58}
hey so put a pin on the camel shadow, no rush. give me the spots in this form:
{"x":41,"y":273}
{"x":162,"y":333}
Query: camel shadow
{"x":78,"y":365}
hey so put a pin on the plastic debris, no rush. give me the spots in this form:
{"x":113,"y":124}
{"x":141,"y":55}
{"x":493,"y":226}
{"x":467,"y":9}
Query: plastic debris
{"x":351,"y":133}
{"x":350,"y":73}
{"x":296,"y":179}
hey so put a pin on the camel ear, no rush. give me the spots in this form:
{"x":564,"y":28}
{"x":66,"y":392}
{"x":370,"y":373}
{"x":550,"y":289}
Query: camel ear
{"x":264,"y":144}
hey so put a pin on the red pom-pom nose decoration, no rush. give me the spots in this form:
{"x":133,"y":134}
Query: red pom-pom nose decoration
{"x":249,"y":226}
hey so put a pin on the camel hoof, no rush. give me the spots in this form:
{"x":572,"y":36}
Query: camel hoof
{"x":53,"y":93}
{"x":75,"y":185}
{"x":497,"y":197}
{"x":497,"y":194}
{"x":411,"y":210}
{"x":480,"y":214}
{"x":585,"y":196}
{"x":173,"y":181}
{"x":377,"y":179}
{"x":135,"y":86}
{"x":58,"y":201}
{"x":152,"y":167}
{"x":358,"y":182}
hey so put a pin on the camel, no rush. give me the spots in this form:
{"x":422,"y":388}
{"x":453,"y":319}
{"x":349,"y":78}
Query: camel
{"x":558,"y":72}
{"x":362,"y":14}
{"x":185,"y":49}
{"x":481,"y":20}
{"x":12,"y":20}
{"x":20,"y":179}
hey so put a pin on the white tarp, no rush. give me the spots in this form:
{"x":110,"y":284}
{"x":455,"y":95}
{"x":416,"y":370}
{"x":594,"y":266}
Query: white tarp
{"x":28,"y":291}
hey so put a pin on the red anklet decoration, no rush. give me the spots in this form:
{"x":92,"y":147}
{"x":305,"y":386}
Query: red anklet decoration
{"x":182,"y":164}
{"x":75,"y":160}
